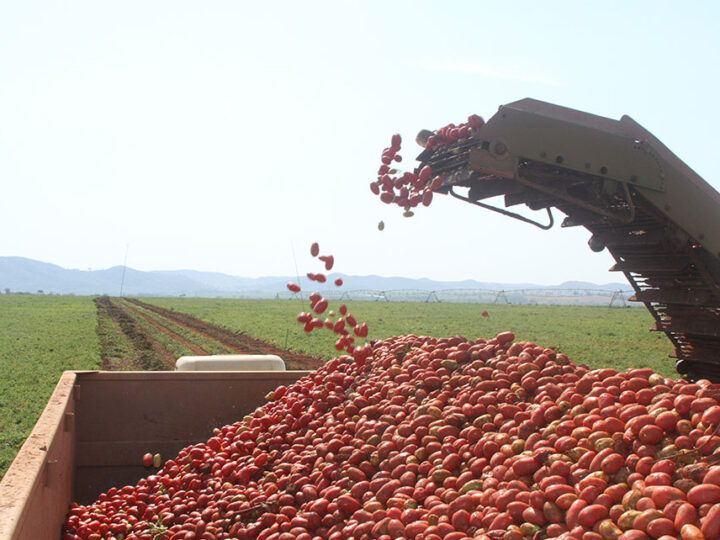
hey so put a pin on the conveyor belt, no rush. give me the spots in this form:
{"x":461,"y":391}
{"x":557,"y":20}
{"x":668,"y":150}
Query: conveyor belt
{"x":658,"y":219}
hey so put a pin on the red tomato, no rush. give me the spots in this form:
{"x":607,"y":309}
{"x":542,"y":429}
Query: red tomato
{"x":338,"y":282}
{"x":475,"y":121}
{"x":329,"y":261}
{"x":320,"y":306}
{"x":293,"y":287}
{"x":396,"y":140}
{"x":427,"y":197}
{"x":314,"y":249}
{"x":387,"y":197}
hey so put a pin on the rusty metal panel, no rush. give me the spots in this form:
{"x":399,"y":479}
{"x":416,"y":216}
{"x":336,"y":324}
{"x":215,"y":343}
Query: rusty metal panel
{"x":578,"y":141}
{"x":651,"y":264}
{"x":96,"y":427}
{"x":675,"y":296}
{"x":583,"y":143}
{"x":36,"y":491}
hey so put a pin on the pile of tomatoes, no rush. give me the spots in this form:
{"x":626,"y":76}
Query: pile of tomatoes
{"x":442,"y":438}
{"x":411,"y":189}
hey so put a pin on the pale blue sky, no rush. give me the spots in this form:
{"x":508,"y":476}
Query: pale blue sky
{"x":220,"y":136}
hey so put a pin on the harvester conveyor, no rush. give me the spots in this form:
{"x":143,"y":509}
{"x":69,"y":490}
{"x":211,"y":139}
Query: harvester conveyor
{"x":658,"y":219}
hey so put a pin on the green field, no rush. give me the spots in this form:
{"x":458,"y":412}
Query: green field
{"x":596,"y":336}
{"x":40,"y":337}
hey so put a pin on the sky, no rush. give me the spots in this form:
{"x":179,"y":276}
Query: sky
{"x":228,"y":136}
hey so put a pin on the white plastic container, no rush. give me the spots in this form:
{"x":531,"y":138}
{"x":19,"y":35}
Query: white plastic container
{"x":230,"y":362}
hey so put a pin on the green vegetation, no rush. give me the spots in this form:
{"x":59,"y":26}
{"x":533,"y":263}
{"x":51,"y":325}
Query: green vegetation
{"x":207,"y":344}
{"x":154,"y":334}
{"x":40,"y":337}
{"x":595,"y":336}
{"x":117,"y":350}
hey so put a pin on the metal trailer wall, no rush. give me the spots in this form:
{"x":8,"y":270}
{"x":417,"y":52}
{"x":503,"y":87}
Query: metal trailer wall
{"x":98,"y":424}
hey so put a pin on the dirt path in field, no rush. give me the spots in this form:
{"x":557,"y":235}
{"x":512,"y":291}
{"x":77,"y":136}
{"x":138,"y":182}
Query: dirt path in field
{"x":236,"y":341}
{"x":128,"y":347}
{"x":165,"y":330}
{"x":178,"y":322}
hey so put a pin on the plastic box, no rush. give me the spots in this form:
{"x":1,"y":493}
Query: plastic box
{"x":230,"y":362}
{"x":98,"y":424}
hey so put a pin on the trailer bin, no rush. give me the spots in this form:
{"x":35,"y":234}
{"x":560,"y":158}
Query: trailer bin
{"x":98,"y":424}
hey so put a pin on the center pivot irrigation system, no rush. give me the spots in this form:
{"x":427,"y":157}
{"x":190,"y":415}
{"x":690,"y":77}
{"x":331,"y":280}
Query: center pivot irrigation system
{"x":658,"y":219}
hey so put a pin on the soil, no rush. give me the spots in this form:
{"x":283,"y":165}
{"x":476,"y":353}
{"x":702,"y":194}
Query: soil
{"x":165,"y":330}
{"x":136,"y":349}
{"x":140,"y":351}
{"x":236,"y":341}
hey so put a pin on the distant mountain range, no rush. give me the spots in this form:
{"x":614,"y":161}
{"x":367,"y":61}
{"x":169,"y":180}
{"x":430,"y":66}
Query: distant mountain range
{"x":19,"y":274}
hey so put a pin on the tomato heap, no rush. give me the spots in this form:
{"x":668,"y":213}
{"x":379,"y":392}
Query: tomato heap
{"x":442,"y":438}
{"x":411,"y":189}
{"x":342,"y":324}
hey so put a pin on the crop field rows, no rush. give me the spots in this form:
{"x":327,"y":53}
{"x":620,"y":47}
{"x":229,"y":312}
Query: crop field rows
{"x":139,"y":335}
{"x":40,"y":336}
{"x":591,"y":335}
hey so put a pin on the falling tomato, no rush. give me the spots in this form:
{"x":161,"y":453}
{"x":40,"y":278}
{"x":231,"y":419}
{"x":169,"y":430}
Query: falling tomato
{"x":314,"y":249}
{"x":395,"y":142}
{"x":387,"y":197}
{"x":320,"y":278}
{"x":320,"y":306}
{"x":475,"y":121}
{"x":329,"y":261}
{"x":294,"y":287}
{"x":427,"y":198}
